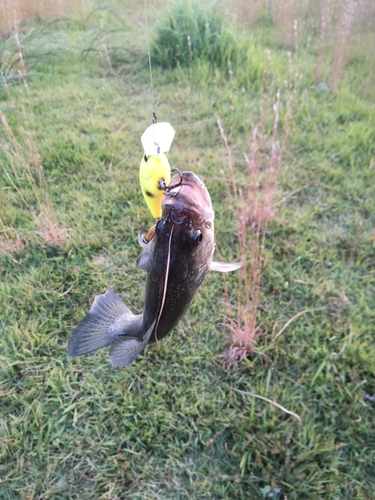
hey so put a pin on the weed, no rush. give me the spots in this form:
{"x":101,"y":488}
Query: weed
{"x":254,"y":209}
{"x":347,"y":17}
{"x":19,"y":11}
{"x":106,"y":40}
{"x":248,"y":13}
{"x":10,"y":241}
{"x":284,"y":17}
{"x":196,"y":35}
{"x":325,"y":22}
{"x":192,"y":31}
{"x":195,"y":32}
{"x":22,"y":50}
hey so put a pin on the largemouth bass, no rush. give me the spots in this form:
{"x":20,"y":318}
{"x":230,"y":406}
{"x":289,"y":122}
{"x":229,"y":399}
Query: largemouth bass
{"x":176,"y":259}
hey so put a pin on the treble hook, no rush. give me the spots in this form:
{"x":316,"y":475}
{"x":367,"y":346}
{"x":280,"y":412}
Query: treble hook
{"x":168,"y":188}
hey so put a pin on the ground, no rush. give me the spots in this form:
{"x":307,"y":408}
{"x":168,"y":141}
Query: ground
{"x":173,"y":425}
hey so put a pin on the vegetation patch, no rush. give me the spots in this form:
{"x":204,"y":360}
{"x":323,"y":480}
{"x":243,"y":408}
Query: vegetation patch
{"x":295,"y":149}
{"x":195,"y":33}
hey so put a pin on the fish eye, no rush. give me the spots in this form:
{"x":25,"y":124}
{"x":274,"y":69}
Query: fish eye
{"x":196,"y":237}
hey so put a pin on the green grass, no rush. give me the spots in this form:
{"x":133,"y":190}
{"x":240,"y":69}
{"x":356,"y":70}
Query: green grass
{"x":170,"y":426}
{"x":194,"y":31}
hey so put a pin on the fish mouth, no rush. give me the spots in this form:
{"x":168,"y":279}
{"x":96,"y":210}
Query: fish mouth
{"x":188,"y":191}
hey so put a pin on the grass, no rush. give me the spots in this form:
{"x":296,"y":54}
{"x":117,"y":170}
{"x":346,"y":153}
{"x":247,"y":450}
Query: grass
{"x":176,"y":425}
{"x":194,"y":31}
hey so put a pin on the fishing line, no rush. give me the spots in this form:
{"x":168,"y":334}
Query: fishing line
{"x":165,"y":285}
{"x":154,"y":117}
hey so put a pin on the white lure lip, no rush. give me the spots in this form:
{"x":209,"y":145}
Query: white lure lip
{"x":157,"y":138}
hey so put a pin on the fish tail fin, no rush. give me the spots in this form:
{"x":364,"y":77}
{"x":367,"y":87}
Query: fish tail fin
{"x":124,"y":350}
{"x":108,"y":318}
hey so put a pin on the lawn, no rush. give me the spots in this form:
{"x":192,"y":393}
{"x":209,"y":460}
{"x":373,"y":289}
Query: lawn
{"x":176,"y":424}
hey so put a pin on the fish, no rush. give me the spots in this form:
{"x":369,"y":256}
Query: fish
{"x":176,"y":259}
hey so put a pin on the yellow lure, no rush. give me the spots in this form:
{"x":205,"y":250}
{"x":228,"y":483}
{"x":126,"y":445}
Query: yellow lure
{"x":154,"y":172}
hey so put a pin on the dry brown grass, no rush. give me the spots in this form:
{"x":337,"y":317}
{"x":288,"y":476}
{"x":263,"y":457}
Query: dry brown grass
{"x":342,"y":37}
{"x":15,"y":11}
{"x":10,"y":241}
{"x":326,"y":11}
{"x":247,"y":11}
{"x":254,"y":208}
{"x":345,"y":28}
{"x":284,"y":13}
{"x":24,"y":174}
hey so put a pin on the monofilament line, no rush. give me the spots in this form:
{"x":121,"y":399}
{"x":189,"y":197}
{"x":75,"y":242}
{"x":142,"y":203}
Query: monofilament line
{"x":149,"y":58}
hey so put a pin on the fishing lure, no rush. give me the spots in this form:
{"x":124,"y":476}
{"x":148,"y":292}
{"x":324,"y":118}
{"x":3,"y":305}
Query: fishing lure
{"x":154,"y":170}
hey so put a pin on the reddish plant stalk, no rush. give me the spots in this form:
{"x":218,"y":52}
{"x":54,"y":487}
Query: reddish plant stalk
{"x":344,"y":30}
{"x":253,"y":212}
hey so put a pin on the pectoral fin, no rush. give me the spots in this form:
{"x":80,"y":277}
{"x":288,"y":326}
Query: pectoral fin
{"x":144,"y":260}
{"x":225,"y":267}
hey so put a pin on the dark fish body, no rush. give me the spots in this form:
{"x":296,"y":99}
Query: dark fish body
{"x":183,"y":248}
{"x":176,"y":259}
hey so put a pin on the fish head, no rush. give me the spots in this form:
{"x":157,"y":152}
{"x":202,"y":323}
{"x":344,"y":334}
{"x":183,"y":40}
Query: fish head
{"x":187,"y":207}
